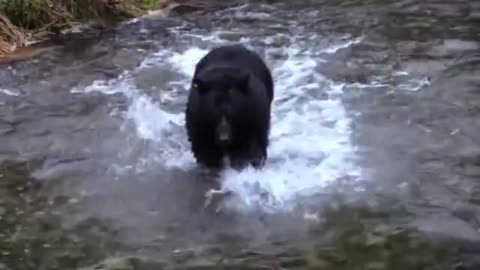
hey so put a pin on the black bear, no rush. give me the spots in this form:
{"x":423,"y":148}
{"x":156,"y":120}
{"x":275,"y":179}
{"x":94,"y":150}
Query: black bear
{"x":228,"y":108}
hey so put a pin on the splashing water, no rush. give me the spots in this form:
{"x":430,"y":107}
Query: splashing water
{"x":310,"y":145}
{"x":9,"y":92}
{"x":309,"y":141}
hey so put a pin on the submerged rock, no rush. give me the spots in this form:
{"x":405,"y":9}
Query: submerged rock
{"x":126,"y":263}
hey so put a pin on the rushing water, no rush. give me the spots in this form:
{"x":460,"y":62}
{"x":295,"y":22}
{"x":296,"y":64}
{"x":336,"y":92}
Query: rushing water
{"x":310,"y":143}
{"x":368,"y":136}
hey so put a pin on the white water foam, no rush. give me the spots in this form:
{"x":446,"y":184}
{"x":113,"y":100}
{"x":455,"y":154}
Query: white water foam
{"x":309,"y":142}
{"x":10,"y":92}
{"x":310,"y":145}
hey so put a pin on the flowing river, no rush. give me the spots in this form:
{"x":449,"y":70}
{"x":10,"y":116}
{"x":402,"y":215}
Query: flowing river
{"x":374,"y":155}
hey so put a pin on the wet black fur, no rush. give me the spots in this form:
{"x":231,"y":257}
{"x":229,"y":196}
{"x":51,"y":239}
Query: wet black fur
{"x":232,"y":81}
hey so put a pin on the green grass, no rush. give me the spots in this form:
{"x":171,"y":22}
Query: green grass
{"x":150,"y":4}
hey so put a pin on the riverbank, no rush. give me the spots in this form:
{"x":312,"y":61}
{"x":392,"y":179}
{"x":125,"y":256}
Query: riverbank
{"x":26,"y":21}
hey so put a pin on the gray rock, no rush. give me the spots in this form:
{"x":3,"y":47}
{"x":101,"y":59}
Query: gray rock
{"x":444,"y":225}
{"x":126,"y":263}
{"x":6,"y":128}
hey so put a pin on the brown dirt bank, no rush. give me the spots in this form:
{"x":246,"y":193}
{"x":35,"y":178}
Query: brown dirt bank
{"x":24,"y":21}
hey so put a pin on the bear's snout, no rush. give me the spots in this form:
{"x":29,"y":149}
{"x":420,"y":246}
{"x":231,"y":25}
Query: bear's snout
{"x":224,"y":132}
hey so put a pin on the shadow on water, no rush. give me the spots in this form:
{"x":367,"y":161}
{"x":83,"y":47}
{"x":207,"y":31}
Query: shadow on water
{"x":64,"y":205}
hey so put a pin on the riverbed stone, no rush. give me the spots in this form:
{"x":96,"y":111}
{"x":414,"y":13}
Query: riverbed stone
{"x":127,"y":263}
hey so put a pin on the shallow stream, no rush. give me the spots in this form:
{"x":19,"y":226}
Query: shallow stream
{"x":374,"y":155}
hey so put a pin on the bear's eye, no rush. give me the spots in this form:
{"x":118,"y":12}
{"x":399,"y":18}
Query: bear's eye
{"x":202,"y":89}
{"x":238,"y":90}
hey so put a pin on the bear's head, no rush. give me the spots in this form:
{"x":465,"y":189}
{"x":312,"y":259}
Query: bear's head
{"x":223,"y":101}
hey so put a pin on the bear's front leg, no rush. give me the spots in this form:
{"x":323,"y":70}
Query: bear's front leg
{"x":258,"y":153}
